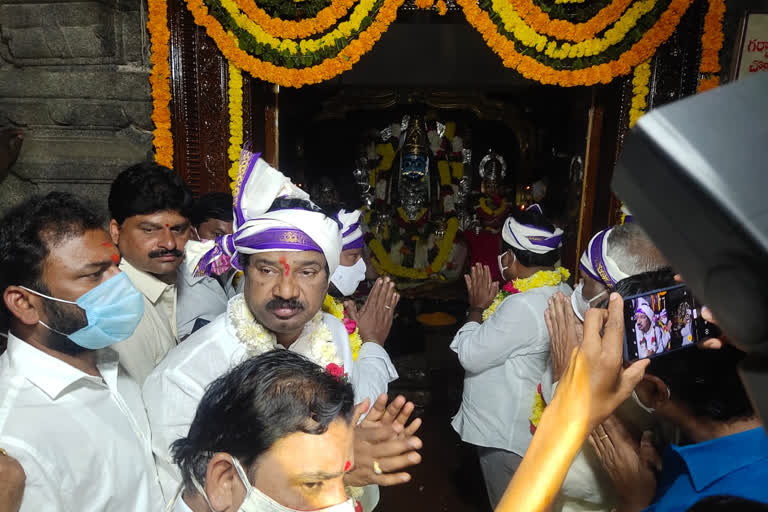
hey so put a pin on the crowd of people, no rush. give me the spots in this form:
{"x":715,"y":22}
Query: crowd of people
{"x":202,"y":355}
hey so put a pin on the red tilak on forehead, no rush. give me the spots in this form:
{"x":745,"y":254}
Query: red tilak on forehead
{"x":106,"y":244}
{"x":115,"y":258}
{"x":347,"y":465}
{"x":285,"y":265}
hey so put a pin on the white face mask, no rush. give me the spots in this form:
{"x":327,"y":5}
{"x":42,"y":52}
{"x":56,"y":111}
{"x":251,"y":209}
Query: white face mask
{"x":502,"y":268}
{"x":579,"y":304}
{"x":347,"y":279}
{"x":257,"y":501}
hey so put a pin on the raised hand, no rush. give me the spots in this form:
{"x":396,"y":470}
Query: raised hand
{"x":565,"y":332}
{"x":480,"y":287}
{"x":385,"y":444}
{"x":629,"y":464}
{"x":374,"y":319}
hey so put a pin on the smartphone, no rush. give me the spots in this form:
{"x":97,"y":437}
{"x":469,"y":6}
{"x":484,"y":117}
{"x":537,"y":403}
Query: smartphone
{"x":663,"y":321}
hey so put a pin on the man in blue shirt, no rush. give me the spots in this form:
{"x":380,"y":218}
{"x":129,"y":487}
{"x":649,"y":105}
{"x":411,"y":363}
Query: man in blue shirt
{"x":700,"y":392}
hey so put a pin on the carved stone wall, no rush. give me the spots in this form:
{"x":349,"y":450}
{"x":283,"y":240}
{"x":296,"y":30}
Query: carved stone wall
{"x":74,"y":77}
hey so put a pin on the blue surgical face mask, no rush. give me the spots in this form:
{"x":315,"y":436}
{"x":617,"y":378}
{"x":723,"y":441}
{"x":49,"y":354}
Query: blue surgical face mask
{"x":113,"y":309}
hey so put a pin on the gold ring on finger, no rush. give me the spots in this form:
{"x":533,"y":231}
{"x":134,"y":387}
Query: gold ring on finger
{"x":3,"y":452}
{"x":377,"y":468}
{"x":603,"y":436}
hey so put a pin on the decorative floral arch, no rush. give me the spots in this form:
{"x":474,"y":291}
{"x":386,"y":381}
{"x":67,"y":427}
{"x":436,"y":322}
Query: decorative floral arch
{"x":561,"y":42}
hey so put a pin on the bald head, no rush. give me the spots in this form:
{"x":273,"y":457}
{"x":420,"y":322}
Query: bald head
{"x":632,"y":250}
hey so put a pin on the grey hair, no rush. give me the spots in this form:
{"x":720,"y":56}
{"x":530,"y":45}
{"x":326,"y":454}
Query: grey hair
{"x":632,"y":250}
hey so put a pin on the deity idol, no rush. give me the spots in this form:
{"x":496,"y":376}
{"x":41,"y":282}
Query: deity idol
{"x":483,"y":234}
{"x":413,"y":226}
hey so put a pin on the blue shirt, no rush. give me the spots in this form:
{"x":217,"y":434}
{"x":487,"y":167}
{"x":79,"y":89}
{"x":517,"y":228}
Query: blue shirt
{"x":735,"y":465}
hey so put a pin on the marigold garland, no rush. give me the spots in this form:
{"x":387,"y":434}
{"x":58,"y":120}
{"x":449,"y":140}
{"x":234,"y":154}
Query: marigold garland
{"x":711,"y":43}
{"x":531,"y":68}
{"x":293,"y":77}
{"x":640,"y":80}
{"x":295,"y":29}
{"x":541,"y":22}
{"x":235,"y":121}
{"x":160,"y":81}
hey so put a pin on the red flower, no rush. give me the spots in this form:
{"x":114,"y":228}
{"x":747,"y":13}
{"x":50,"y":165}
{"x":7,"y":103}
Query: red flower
{"x":335,"y":370}
{"x":510,"y":288}
{"x":358,"y":507}
{"x":350,"y":325}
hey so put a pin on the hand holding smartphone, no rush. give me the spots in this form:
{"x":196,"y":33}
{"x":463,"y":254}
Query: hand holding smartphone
{"x":663,"y":321}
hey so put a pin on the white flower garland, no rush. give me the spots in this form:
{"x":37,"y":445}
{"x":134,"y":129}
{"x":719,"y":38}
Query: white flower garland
{"x":257,"y":339}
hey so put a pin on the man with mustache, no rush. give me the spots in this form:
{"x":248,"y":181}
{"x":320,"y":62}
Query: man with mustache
{"x":149,"y":206}
{"x":287,"y":249}
{"x":68,"y":412}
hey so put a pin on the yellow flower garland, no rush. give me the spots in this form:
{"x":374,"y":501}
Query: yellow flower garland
{"x":531,"y":68}
{"x":277,"y":27}
{"x":514,"y":24}
{"x":565,"y":30}
{"x":640,"y":81}
{"x":537,"y":280}
{"x":487,"y":209}
{"x":384,"y":265}
{"x":235,"y":120}
{"x":336,"y":308}
{"x":290,"y":77}
{"x":160,"y":80}
{"x":304,"y":46}
{"x":711,"y":43}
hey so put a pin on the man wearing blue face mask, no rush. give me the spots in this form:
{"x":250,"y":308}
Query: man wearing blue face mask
{"x":68,"y":412}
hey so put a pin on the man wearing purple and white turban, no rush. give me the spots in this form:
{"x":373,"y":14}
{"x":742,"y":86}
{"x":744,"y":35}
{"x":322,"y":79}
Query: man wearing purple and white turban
{"x":288,"y":249}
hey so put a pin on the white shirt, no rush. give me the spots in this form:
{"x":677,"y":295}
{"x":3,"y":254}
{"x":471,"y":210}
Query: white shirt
{"x":200,"y":297}
{"x":156,"y":333}
{"x":173,"y":391}
{"x":503,"y":359}
{"x":84,"y":441}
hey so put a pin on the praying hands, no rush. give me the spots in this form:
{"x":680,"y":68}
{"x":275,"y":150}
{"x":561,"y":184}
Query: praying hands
{"x":374,"y":319}
{"x":481,"y":289}
{"x":629,"y":464}
{"x":384,"y":444}
{"x":565,"y":332}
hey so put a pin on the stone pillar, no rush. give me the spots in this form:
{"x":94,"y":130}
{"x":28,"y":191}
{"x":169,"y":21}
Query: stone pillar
{"x":74,"y":77}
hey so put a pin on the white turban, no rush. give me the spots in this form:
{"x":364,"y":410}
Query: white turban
{"x":296,"y":225}
{"x":596,"y":262}
{"x":531,"y":238}
{"x":645,"y":309}
{"x":351,"y":234}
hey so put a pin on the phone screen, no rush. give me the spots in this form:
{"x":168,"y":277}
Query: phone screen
{"x":663,"y":321}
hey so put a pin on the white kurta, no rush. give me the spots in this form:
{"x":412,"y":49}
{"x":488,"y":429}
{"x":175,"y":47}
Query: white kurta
{"x":503,"y":359}
{"x":83,"y":441}
{"x":173,"y":391}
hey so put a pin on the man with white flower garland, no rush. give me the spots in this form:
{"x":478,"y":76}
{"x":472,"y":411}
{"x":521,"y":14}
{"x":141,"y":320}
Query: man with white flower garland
{"x":504,"y":346}
{"x":287,"y":249}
